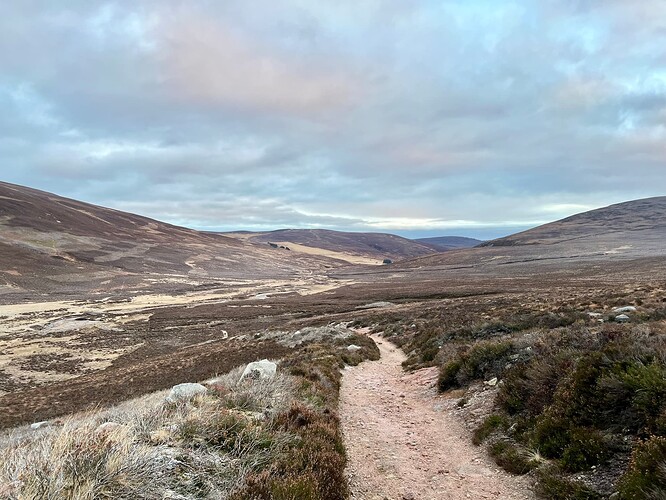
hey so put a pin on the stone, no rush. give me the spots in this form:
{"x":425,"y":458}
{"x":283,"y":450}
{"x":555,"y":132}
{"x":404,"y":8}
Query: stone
{"x":263,"y":369}
{"x":107,"y":427}
{"x":183,"y":392}
{"x":594,"y":315}
{"x":40,"y":425}
{"x":353,"y":347}
{"x":492,"y":382}
{"x":622,"y":318}
{"x":624,"y":309}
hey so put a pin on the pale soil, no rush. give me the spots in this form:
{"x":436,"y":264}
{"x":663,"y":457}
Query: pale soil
{"x":402,"y":442}
{"x":347,"y":257}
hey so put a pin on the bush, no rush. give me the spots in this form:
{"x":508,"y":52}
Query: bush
{"x":645,"y":476}
{"x":447,"y":375}
{"x":585,"y":448}
{"x":553,"y":485}
{"x":512,"y":457}
{"x":489,"y":425}
{"x":483,"y":360}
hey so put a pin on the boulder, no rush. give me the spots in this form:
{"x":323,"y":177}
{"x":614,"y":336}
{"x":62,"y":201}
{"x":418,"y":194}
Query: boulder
{"x":625,"y":309}
{"x":259,"y":369}
{"x":183,"y":392}
{"x":622,"y":318}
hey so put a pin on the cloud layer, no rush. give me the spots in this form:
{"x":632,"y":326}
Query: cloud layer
{"x":469,"y":117}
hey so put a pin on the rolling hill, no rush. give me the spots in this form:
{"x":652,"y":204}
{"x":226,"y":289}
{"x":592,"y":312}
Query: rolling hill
{"x":51,"y":244}
{"x":628,"y":237}
{"x":358,"y":248}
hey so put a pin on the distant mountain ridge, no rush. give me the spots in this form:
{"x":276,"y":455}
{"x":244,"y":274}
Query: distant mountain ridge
{"x":444,"y":243}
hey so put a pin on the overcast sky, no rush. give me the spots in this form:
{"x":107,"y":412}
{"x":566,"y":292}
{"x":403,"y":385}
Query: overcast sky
{"x":418,"y":117}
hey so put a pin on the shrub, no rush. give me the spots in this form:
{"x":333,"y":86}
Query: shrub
{"x":585,"y":448}
{"x":489,"y":425}
{"x":512,"y":457}
{"x":447,"y":375}
{"x":483,"y":360}
{"x":645,"y":476}
{"x":553,"y":485}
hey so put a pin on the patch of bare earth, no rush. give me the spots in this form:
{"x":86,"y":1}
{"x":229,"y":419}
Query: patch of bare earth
{"x":403,"y":444}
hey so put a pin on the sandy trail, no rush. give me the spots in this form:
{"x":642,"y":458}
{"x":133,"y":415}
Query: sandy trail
{"x":402,"y":445}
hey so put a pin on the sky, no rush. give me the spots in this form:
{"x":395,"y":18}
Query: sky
{"x":469,"y":117}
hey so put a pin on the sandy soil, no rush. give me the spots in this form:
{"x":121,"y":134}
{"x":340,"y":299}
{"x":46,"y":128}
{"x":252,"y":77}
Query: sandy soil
{"x":345,"y":256}
{"x":402,"y":444}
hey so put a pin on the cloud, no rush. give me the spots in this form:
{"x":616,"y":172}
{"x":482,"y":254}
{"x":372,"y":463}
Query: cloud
{"x":395,"y":115}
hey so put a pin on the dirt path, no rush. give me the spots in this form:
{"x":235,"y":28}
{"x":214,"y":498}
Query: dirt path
{"x":401,"y":443}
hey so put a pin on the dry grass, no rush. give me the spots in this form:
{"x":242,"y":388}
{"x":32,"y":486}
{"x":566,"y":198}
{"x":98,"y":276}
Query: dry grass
{"x":200,"y":448}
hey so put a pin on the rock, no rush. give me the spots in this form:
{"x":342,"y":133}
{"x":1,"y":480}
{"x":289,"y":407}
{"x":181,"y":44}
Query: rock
{"x":40,"y":425}
{"x":625,"y":309}
{"x":259,"y":369}
{"x":353,"y":347}
{"x":183,"y":392}
{"x":107,"y":427}
{"x":408,"y":496}
{"x":492,"y":382}
{"x":622,"y":318}
{"x":594,"y":315}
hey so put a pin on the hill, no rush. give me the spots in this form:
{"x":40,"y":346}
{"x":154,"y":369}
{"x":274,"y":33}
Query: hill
{"x":357,"y":248}
{"x":445,"y":243}
{"x":628,"y":221}
{"x":52,"y":244}
{"x":627,"y":237}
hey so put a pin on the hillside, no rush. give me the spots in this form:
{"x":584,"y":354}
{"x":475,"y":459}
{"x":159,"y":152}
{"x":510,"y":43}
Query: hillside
{"x":357,"y":248}
{"x":629,"y":221}
{"x":54,"y":244}
{"x":631,"y":235}
{"x":445,"y":243}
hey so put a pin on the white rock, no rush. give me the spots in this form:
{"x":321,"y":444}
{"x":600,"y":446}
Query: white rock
{"x":622,"y":318}
{"x":260,"y":369}
{"x":107,"y":427}
{"x":594,"y":315}
{"x":182,"y":392}
{"x":492,"y":382}
{"x":40,"y":425}
{"x":353,"y":347}
{"x":625,"y":309}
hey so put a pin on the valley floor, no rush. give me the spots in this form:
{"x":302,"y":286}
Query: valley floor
{"x":402,"y":444}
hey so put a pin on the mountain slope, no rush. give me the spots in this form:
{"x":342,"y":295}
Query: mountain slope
{"x":445,"y":243}
{"x":52,"y":244}
{"x":623,"y":218}
{"x":627,"y":234}
{"x":375,"y":246}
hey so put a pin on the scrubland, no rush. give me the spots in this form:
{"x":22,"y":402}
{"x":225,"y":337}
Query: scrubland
{"x":276,"y":438}
{"x":579,"y":399}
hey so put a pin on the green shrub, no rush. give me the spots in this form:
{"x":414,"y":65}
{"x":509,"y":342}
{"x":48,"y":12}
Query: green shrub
{"x":482,"y":360}
{"x":447,"y":375}
{"x":586,"y":448}
{"x":512,"y":457}
{"x":489,"y":425}
{"x":645,"y":476}
{"x":530,"y":387}
{"x":551,"y":435}
{"x":555,"y":486}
